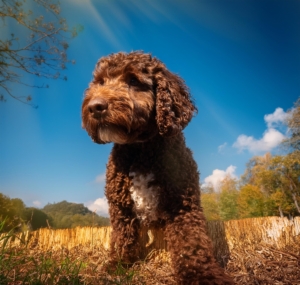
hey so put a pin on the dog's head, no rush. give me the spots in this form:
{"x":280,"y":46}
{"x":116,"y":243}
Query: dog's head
{"x":132,"y":98}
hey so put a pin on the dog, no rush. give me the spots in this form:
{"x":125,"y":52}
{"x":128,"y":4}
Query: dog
{"x":135,"y":102}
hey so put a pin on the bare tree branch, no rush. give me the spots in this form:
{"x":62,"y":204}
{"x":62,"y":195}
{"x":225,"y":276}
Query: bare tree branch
{"x":41,"y":48}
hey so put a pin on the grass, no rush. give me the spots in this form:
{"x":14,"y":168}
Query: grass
{"x":27,"y":263}
{"x":80,"y":265}
{"x":24,"y":266}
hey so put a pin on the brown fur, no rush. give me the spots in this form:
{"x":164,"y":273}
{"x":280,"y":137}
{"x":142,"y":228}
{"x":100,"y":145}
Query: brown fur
{"x":135,"y":102}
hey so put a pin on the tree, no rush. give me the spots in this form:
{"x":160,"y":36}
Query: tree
{"x":254,"y":168}
{"x":287,"y":169}
{"x":11,"y":211}
{"x":251,"y":202}
{"x":210,"y":206}
{"x":293,"y":123}
{"x":38,"y":46}
{"x":260,"y":174}
{"x":277,"y":178}
{"x":35,"y":218}
{"x":18,"y":206}
{"x":68,"y":215}
{"x":281,"y":202}
{"x":210,"y":202}
{"x":229,"y":199}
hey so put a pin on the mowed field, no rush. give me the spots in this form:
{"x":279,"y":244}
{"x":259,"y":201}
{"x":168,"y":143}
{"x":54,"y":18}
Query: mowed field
{"x":252,"y":251}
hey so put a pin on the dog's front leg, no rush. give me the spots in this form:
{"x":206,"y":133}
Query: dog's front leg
{"x":125,"y":226}
{"x":191,"y":251}
{"x":124,"y":237}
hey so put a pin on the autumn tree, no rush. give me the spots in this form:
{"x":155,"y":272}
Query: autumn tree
{"x":34,"y":41}
{"x":210,"y":203}
{"x":251,"y":202}
{"x":277,"y":179}
{"x":254,"y":169}
{"x":259,"y":176}
{"x":287,"y":169}
{"x":293,"y":123}
{"x":228,"y":199}
{"x":279,"y":182}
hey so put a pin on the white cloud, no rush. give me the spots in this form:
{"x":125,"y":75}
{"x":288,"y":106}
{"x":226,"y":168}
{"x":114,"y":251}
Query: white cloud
{"x":100,"y":206}
{"x":218,"y":176}
{"x":37,"y":203}
{"x":222,"y":146}
{"x":271,"y":137}
{"x":278,"y":117}
{"x":100,"y":178}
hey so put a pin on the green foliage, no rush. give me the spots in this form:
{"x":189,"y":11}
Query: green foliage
{"x":278,"y":179}
{"x":58,"y":215}
{"x":210,"y":204}
{"x":122,"y":275}
{"x":229,"y":199}
{"x":251,"y":202}
{"x":19,"y":266}
{"x":77,"y":266}
{"x":19,"y":217}
{"x":70,"y":215}
{"x":11,"y":211}
{"x":270,"y":186}
{"x":36,"y":218}
{"x":66,"y":208}
{"x":221,"y":204}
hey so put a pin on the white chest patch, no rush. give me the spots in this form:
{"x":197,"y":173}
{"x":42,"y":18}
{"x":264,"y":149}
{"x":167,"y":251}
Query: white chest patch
{"x":145,"y":197}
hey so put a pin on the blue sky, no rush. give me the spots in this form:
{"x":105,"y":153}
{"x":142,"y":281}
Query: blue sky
{"x":240,"y":59}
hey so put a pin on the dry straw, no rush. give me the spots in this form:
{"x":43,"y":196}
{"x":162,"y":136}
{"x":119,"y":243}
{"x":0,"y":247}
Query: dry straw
{"x":253,"y":251}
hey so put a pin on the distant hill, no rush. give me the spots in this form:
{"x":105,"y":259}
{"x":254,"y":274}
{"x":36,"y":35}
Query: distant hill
{"x":69,"y":215}
{"x":66,"y":208}
{"x":14,"y":215}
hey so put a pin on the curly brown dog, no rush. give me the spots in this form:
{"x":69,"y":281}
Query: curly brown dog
{"x":151,"y":178}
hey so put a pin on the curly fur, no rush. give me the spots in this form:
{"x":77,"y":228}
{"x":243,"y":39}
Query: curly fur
{"x":151,"y":178}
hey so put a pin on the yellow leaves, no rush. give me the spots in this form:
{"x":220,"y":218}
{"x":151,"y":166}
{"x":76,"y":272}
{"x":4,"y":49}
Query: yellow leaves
{"x":250,"y":202}
{"x":210,"y":206}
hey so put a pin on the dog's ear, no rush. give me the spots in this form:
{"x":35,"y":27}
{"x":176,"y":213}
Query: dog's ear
{"x":174,"y":105}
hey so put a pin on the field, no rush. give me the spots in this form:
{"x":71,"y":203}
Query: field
{"x":253,"y":251}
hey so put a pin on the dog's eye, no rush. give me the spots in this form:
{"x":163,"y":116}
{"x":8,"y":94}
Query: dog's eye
{"x":100,"y":81}
{"x":133,"y":81}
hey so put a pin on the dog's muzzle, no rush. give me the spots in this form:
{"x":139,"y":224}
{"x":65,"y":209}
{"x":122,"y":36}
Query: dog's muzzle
{"x":97,"y":107}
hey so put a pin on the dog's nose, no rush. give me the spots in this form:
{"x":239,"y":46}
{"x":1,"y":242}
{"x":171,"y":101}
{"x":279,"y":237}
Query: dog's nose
{"x":97,"y":106}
